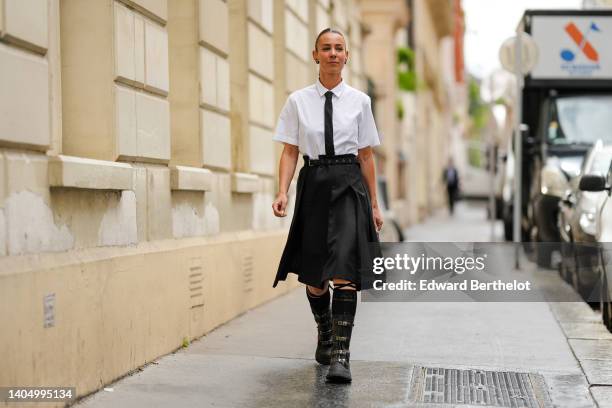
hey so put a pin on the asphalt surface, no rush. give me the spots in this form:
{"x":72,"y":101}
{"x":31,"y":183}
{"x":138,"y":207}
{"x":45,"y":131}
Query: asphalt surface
{"x":265,"y":358}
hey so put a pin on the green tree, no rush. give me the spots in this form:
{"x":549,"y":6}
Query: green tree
{"x":406,"y":73}
{"x":477,"y":108}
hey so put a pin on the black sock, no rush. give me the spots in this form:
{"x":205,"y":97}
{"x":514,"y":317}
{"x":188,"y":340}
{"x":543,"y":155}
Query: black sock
{"x":344,"y":302}
{"x":318,"y":304}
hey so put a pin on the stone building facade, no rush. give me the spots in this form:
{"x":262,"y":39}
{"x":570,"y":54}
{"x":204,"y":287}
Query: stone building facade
{"x":416,"y":147}
{"x":440,"y":99}
{"x":137,"y":172}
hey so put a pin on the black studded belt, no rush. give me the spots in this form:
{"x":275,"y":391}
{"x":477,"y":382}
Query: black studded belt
{"x":330,"y":161}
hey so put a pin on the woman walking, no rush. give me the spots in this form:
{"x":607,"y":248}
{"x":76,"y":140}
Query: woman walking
{"x":333,"y":234}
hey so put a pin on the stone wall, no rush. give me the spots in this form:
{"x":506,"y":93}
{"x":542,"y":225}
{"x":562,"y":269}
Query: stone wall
{"x":137,"y":172}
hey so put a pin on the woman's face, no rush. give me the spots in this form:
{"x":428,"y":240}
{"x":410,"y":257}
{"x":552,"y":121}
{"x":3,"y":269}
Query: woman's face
{"x":331,"y":53}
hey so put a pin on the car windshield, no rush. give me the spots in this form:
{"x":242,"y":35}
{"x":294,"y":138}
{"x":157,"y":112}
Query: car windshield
{"x":582,"y":119}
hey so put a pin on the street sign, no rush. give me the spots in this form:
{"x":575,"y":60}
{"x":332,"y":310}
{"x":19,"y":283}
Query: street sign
{"x":529,"y":53}
{"x":573,"y":47}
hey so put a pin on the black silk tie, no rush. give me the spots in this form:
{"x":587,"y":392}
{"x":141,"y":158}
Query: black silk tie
{"x":329,"y":126}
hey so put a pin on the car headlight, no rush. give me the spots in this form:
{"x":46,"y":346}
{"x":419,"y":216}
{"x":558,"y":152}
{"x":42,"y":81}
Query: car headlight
{"x":554,"y":182}
{"x":587,"y":223}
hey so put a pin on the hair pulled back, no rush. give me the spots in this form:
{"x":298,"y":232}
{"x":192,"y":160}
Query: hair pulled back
{"x":328,"y":30}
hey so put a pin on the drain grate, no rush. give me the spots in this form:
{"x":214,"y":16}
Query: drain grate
{"x":478,"y":388}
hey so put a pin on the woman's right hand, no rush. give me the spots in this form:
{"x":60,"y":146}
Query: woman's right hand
{"x":280,"y":204}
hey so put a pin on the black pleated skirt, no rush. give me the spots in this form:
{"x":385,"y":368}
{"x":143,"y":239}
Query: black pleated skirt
{"x":332,"y":234}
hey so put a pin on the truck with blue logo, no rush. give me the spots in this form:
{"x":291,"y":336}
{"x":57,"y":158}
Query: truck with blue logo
{"x":566,"y":108}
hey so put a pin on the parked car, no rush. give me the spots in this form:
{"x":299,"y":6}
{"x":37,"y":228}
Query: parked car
{"x":578,"y":225}
{"x":565,"y":109}
{"x":598,"y":183}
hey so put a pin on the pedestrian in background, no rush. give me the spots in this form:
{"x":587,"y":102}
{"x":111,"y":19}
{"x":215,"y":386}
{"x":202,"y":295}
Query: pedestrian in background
{"x":336,"y":215}
{"x":451,"y":179}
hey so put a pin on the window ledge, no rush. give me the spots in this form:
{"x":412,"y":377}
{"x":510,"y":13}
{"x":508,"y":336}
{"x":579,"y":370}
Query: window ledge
{"x":78,"y":172}
{"x":245,"y":183}
{"x":190,"y":178}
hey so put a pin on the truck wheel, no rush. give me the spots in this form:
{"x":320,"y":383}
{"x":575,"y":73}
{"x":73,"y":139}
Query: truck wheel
{"x":586,"y":292}
{"x":577,"y":284}
{"x":543,"y":255}
{"x":604,"y":304}
{"x":575,"y":280}
{"x":562,"y":271}
{"x":530,"y":239}
{"x":508,"y":233}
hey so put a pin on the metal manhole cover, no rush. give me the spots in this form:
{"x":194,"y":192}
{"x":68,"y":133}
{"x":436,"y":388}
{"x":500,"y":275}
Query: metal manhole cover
{"x":480,"y":388}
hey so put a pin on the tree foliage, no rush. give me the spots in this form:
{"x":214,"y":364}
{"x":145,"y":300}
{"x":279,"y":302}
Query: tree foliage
{"x":406,"y":73}
{"x":477,"y":108}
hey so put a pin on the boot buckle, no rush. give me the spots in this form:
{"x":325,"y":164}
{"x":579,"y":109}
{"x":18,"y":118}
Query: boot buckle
{"x":341,"y":356}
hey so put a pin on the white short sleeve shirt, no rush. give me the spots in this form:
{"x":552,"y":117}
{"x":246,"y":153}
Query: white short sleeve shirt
{"x":301,"y":122}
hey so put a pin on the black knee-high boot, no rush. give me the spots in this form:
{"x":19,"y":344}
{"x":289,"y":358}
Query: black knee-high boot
{"x":322,"y":315}
{"x":344,"y":306}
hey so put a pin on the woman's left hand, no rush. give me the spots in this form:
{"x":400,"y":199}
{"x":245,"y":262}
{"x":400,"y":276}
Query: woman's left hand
{"x":378,"y":219}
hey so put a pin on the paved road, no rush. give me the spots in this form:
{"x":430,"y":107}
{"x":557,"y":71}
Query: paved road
{"x":265,"y":357}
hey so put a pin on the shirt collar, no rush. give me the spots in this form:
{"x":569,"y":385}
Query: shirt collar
{"x":336,"y":91}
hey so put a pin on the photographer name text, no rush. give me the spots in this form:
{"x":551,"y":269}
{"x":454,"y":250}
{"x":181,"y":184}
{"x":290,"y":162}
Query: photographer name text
{"x":464,"y":285}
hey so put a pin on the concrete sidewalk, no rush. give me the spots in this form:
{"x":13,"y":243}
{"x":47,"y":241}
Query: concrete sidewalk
{"x":265,"y":357}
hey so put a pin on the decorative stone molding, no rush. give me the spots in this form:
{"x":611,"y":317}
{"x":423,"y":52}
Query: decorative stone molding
{"x":25,"y":24}
{"x":245,"y":183}
{"x":190,"y":178}
{"x":24,"y":99}
{"x":77,"y":172}
{"x":115,"y":81}
{"x":156,"y":10}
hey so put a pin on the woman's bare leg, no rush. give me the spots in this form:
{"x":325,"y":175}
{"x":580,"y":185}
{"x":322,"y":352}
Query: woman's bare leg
{"x":316,"y":291}
{"x":342,"y":281}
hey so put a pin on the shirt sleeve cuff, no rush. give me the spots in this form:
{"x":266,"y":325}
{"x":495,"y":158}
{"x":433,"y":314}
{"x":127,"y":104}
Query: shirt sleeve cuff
{"x":372,"y":144}
{"x":285,"y":139}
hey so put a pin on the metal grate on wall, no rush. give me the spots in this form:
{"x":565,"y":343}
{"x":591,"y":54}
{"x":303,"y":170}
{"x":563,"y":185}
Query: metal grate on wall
{"x":247,"y":272}
{"x":196,"y":282}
